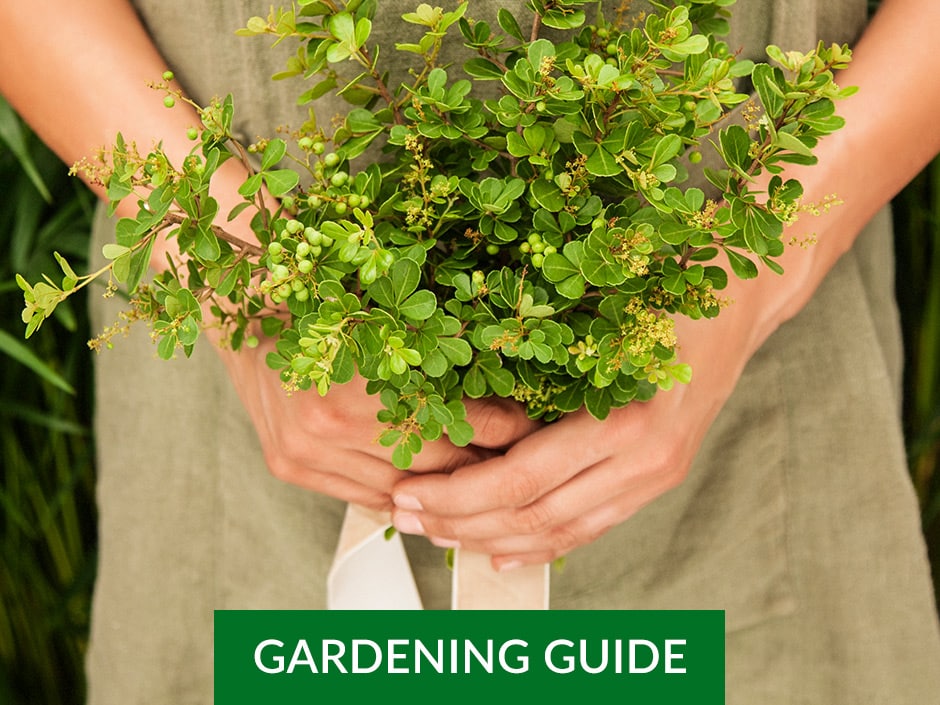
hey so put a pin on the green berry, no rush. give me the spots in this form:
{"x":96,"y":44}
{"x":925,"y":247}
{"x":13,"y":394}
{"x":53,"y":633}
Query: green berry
{"x":364,"y":201}
{"x":305,"y":143}
{"x":339,"y":178}
{"x":538,"y":259}
{"x":284,"y":291}
{"x":354,"y":200}
{"x":525,"y":247}
{"x":302,"y":295}
{"x":478,"y":277}
{"x":252,"y":341}
{"x":168,"y":76}
{"x":297,"y":285}
{"x":275,"y":248}
{"x":314,"y":202}
{"x":549,"y":250}
{"x":305,"y":266}
{"x":303,"y":249}
{"x":612,"y":48}
{"x":294,"y":227}
{"x":340,"y":208}
{"x":695,"y":157}
{"x":280,"y":273}
{"x":492,"y":249}
{"x":318,"y":148}
{"x":331,"y":159}
{"x":534,"y":238}
{"x":169,"y":101}
{"x":192,"y":133}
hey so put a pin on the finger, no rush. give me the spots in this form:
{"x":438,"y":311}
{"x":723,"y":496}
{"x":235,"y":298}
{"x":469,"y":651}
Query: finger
{"x":573,"y":515}
{"x":363,"y":487}
{"x":498,"y":423}
{"x":530,"y":469}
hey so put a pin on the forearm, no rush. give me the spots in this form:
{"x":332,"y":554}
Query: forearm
{"x":82,"y":78}
{"x":891,"y":133}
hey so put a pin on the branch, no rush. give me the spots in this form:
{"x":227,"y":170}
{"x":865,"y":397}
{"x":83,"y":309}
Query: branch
{"x":237,"y":243}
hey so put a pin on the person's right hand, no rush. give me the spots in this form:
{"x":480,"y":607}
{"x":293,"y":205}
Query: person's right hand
{"x":330,"y":444}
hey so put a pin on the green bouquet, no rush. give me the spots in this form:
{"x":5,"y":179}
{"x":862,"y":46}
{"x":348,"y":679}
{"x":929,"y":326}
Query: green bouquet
{"x":526,"y":231}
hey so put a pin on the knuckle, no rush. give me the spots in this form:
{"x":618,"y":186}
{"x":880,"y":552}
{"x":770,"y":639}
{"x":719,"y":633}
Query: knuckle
{"x":534,"y":518}
{"x":521,"y":488}
{"x":281,"y":467}
{"x":566,"y":538}
{"x":330,"y":420}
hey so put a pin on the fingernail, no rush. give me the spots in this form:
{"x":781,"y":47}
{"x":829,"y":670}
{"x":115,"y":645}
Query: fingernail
{"x":408,"y":523}
{"x":406,"y":501}
{"x":509,"y":565}
{"x":444,"y":543}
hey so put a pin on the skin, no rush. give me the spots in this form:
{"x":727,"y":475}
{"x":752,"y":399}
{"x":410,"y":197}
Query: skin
{"x":517,"y":495}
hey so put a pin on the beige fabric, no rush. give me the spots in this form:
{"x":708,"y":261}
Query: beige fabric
{"x":797,"y":518}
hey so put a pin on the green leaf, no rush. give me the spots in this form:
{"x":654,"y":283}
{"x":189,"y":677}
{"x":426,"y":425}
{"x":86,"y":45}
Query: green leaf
{"x":343,"y":28}
{"x":742,"y":267}
{"x":457,"y":350}
{"x":508,"y":24}
{"x":419,"y":306}
{"x":273,"y":153}
{"x":547,"y":195}
{"x":460,"y":433}
{"x":281,"y":181}
{"x":474,"y":383}
{"x":483,"y":69}
{"x":603,"y":163}
{"x":765,"y":83}
{"x":113,"y":251}
{"x":786,"y":141}
{"x":435,"y":364}
{"x":251,"y":186}
{"x":735,"y":146}
{"x":500,"y":380}
{"x":402,"y":456}
{"x":405,"y":275}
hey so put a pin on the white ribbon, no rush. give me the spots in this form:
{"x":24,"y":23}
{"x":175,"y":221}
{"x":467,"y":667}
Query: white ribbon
{"x":371,"y":572}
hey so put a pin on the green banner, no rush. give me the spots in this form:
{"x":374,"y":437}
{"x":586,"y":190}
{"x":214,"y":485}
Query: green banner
{"x":637,"y":657}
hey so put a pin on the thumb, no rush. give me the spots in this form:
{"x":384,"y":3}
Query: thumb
{"x":498,"y":423}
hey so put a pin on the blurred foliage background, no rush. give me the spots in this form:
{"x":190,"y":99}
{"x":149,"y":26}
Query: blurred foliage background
{"x":47,"y":513}
{"x":47,"y":517}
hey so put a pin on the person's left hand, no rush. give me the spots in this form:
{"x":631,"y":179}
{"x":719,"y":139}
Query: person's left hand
{"x":558,"y":488}
{"x":567,"y":483}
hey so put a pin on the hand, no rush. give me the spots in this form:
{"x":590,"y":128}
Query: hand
{"x":560,"y":487}
{"x":566,"y":484}
{"x":329,"y":444}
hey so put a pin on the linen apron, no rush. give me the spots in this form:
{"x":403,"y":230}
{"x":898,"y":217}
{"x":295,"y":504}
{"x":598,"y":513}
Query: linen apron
{"x":797,"y":517}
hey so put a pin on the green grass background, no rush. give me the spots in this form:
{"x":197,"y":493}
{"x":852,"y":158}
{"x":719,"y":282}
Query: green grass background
{"x":47,"y":515}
